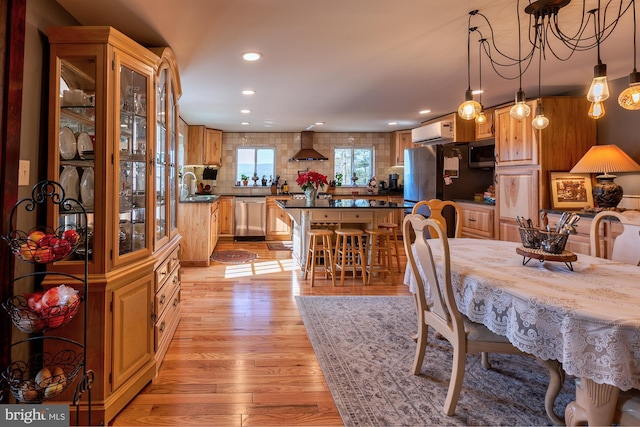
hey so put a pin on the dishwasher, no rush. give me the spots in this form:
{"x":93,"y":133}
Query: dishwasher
{"x":250,"y":218}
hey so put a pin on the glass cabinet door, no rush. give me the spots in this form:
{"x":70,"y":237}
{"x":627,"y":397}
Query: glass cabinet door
{"x":132,"y":162}
{"x":161,"y":156}
{"x":76,"y":130}
{"x":173,"y":161}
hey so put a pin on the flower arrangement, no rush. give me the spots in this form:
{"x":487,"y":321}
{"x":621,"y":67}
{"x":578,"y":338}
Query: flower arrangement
{"x":311,"y":179}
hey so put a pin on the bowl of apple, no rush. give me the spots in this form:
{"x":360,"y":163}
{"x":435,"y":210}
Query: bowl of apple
{"x":43,"y":246}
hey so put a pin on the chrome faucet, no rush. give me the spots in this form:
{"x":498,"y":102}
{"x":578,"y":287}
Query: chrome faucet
{"x":189,"y":192}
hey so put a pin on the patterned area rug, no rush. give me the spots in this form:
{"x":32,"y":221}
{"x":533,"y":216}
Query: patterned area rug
{"x":233,"y":256}
{"x":280,"y":246}
{"x":365,"y":349}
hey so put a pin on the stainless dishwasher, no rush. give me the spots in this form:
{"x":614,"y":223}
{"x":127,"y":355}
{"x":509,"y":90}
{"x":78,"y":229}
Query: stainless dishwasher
{"x":250,"y":218}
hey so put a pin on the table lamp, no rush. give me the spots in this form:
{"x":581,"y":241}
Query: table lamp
{"x":605,"y":159}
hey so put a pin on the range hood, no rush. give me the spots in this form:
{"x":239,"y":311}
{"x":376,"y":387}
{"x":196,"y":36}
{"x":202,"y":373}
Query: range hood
{"x":307,"y":152}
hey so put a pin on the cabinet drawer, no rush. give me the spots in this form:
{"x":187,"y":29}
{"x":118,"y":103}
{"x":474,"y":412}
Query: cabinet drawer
{"x":174,"y":259}
{"x":162,"y":296}
{"x":162,"y":273}
{"x":357,"y":216}
{"x":322,"y":216}
{"x":166,"y":324}
{"x":477,"y":220}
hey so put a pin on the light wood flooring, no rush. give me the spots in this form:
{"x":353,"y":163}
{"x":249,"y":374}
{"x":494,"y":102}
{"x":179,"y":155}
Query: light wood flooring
{"x":241,"y":355}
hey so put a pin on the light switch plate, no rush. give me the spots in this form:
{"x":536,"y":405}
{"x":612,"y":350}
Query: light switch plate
{"x":23,"y":172}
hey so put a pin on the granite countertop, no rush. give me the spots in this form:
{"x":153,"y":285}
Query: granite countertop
{"x":337,"y":203}
{"x":484,"y":202}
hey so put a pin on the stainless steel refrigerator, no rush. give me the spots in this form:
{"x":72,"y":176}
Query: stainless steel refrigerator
{"x":424,"y":175}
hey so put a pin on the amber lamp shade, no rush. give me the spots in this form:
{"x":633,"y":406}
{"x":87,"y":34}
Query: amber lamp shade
{"x":604,"y":159}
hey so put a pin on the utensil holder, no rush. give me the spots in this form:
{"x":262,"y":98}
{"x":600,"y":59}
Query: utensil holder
{"x":552,"y":242}
{"x":530,"y":237}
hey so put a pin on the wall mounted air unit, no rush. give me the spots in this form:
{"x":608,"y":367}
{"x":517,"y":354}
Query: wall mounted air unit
{"x":434,"y":133}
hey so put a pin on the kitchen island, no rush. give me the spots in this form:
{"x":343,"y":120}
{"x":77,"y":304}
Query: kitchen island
{"x":332,"y":213}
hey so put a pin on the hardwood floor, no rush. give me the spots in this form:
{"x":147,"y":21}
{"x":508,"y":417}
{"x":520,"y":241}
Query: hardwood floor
{"x":241,"y":355}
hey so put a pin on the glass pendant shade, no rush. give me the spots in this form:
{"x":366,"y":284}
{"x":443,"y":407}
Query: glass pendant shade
{"x":599,"y":90}
{"x":540,"y":121}
{"x":629,"y":99}
{"x":469,"y":109}
{"x":596,"y":110}
{"x":520,"y":110}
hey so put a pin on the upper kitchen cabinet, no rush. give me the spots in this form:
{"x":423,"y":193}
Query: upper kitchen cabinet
{"x":401,"y":140}
{"x":486,"y":130}
{"x":204,"y":146}
{"x":112,"y":144}
{"x":515,"y":141}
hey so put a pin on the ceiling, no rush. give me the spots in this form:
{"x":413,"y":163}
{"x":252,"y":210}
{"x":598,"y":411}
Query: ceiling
{"x":355,"y":65}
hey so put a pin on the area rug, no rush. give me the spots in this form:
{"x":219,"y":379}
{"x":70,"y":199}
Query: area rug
{"x":233,"y":256}
{"x":365,"y":350}
{"x":280,"y":246}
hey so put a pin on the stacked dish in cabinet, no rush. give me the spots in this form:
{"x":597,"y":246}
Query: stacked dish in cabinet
{"x":45,"y":374}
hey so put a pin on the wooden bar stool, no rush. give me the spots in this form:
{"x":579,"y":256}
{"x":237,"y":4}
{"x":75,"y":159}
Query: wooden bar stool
{"x":349,"y":253}
{"x":378,"y":252}
{"x":394,"y":236}
{"x":320,"y":249}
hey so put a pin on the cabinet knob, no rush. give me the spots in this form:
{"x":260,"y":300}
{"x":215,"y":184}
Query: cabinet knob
{"x":162,"y":298}
{"x":162,"y":326}
{"x":176,"y":302}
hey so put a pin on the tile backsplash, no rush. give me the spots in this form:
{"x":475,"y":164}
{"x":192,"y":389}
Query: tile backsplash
{"x":286,"y":145}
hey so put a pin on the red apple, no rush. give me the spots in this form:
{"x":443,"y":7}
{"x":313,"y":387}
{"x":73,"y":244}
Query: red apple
{"x":47,"y":240}
{"x":36,"y":235}
{"x":72,"y":236}
{"x":51,"y":297}
{"x":43,"y":255}
{"x":61,"y":247}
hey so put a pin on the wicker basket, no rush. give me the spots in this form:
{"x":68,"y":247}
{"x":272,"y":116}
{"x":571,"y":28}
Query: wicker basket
{"x":552,"y":242}
{"x":530,"y":237}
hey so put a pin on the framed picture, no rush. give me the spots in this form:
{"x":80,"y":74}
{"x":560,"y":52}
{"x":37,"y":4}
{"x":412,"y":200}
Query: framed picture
{"x":571,"y":190}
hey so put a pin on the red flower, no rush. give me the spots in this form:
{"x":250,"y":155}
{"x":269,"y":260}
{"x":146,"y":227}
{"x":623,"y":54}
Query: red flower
{"x":311,"y":179}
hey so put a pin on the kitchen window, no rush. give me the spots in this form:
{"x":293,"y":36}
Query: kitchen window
{"x":255,"y":161}
{"x":353,"y":160}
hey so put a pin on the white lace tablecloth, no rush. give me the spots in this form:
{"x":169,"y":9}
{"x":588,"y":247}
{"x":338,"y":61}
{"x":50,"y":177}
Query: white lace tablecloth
{"x":588,"y":319}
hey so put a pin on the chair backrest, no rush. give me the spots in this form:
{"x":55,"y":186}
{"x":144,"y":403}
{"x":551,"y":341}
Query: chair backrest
{"x":436,"y":207}
{"x":435,"y":297}
{"x":626,"y":247}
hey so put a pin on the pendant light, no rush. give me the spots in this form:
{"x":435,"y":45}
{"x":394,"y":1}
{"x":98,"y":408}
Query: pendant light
{"x":480,"y":118}
{"x":599,"y":89}
{"x":596,"y":110}
{"x":520,"y":110}
{"x":469,"y":109}
{"x":540,"y":121}
{"x":629,"y":99}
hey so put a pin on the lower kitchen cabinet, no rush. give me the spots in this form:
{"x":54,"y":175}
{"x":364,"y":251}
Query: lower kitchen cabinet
{"x":397,"y":216}
{"x":580,"y":243}
{"x":477,"y":220}
{"x":197,"y":223}
{"x":278,"y":221}
{"x":225,"y":217}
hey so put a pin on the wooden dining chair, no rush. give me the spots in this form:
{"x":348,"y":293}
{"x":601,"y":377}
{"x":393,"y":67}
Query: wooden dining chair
{"x":626,"y":247}
{"x":437,"y":308}
{"x":436,"y":207}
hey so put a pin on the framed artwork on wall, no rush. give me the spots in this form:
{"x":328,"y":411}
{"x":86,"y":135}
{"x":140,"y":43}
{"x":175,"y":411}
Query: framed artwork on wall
{"x":571,"y":190}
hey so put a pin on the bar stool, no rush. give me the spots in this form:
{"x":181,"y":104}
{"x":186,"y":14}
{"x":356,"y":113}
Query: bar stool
{"x":378,"y":252}
{"x":394,"y":236}
{"x":320,"y":249}
{"x":349,"y":254}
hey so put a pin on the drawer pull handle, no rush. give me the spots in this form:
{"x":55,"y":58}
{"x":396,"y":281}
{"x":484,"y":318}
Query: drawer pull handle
{"x":163,"y":273}
{"x":175,"y":279}
{"x":176,"y":302}
{"x":162,"y":325}
{"x":162,"y":298}
{"x":472,"y":220}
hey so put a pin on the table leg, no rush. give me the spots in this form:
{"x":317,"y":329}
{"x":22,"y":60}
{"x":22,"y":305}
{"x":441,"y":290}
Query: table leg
{"x":556,"y":380}
{"x":595,"y":404}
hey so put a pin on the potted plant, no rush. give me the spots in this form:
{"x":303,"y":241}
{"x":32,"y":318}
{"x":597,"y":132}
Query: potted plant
{"x":339,"y":179}
{"x":245,"y":179}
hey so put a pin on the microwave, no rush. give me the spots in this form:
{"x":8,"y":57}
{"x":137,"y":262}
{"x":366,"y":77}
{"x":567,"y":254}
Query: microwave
{"x":482,"y":154}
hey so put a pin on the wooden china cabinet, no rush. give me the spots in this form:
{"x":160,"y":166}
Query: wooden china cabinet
{"x":112,"y":143}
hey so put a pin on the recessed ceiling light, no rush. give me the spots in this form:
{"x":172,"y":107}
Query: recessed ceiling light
{"x":244,"y":123}
{"x":319,"y":123}
{"x":251,"y":56}
{"x":393,"y":123}
{"x":245,"y":111}
{"x":425,"y":111}
{"x":248,"y":92}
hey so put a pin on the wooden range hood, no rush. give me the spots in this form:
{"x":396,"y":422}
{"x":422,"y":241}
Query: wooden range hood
{"x":307,"y":152}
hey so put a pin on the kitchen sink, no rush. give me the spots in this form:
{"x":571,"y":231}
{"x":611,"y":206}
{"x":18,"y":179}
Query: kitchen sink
{"x":200,"y":198}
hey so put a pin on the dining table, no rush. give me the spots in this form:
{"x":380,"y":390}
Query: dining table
{"x":587,"y":318}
